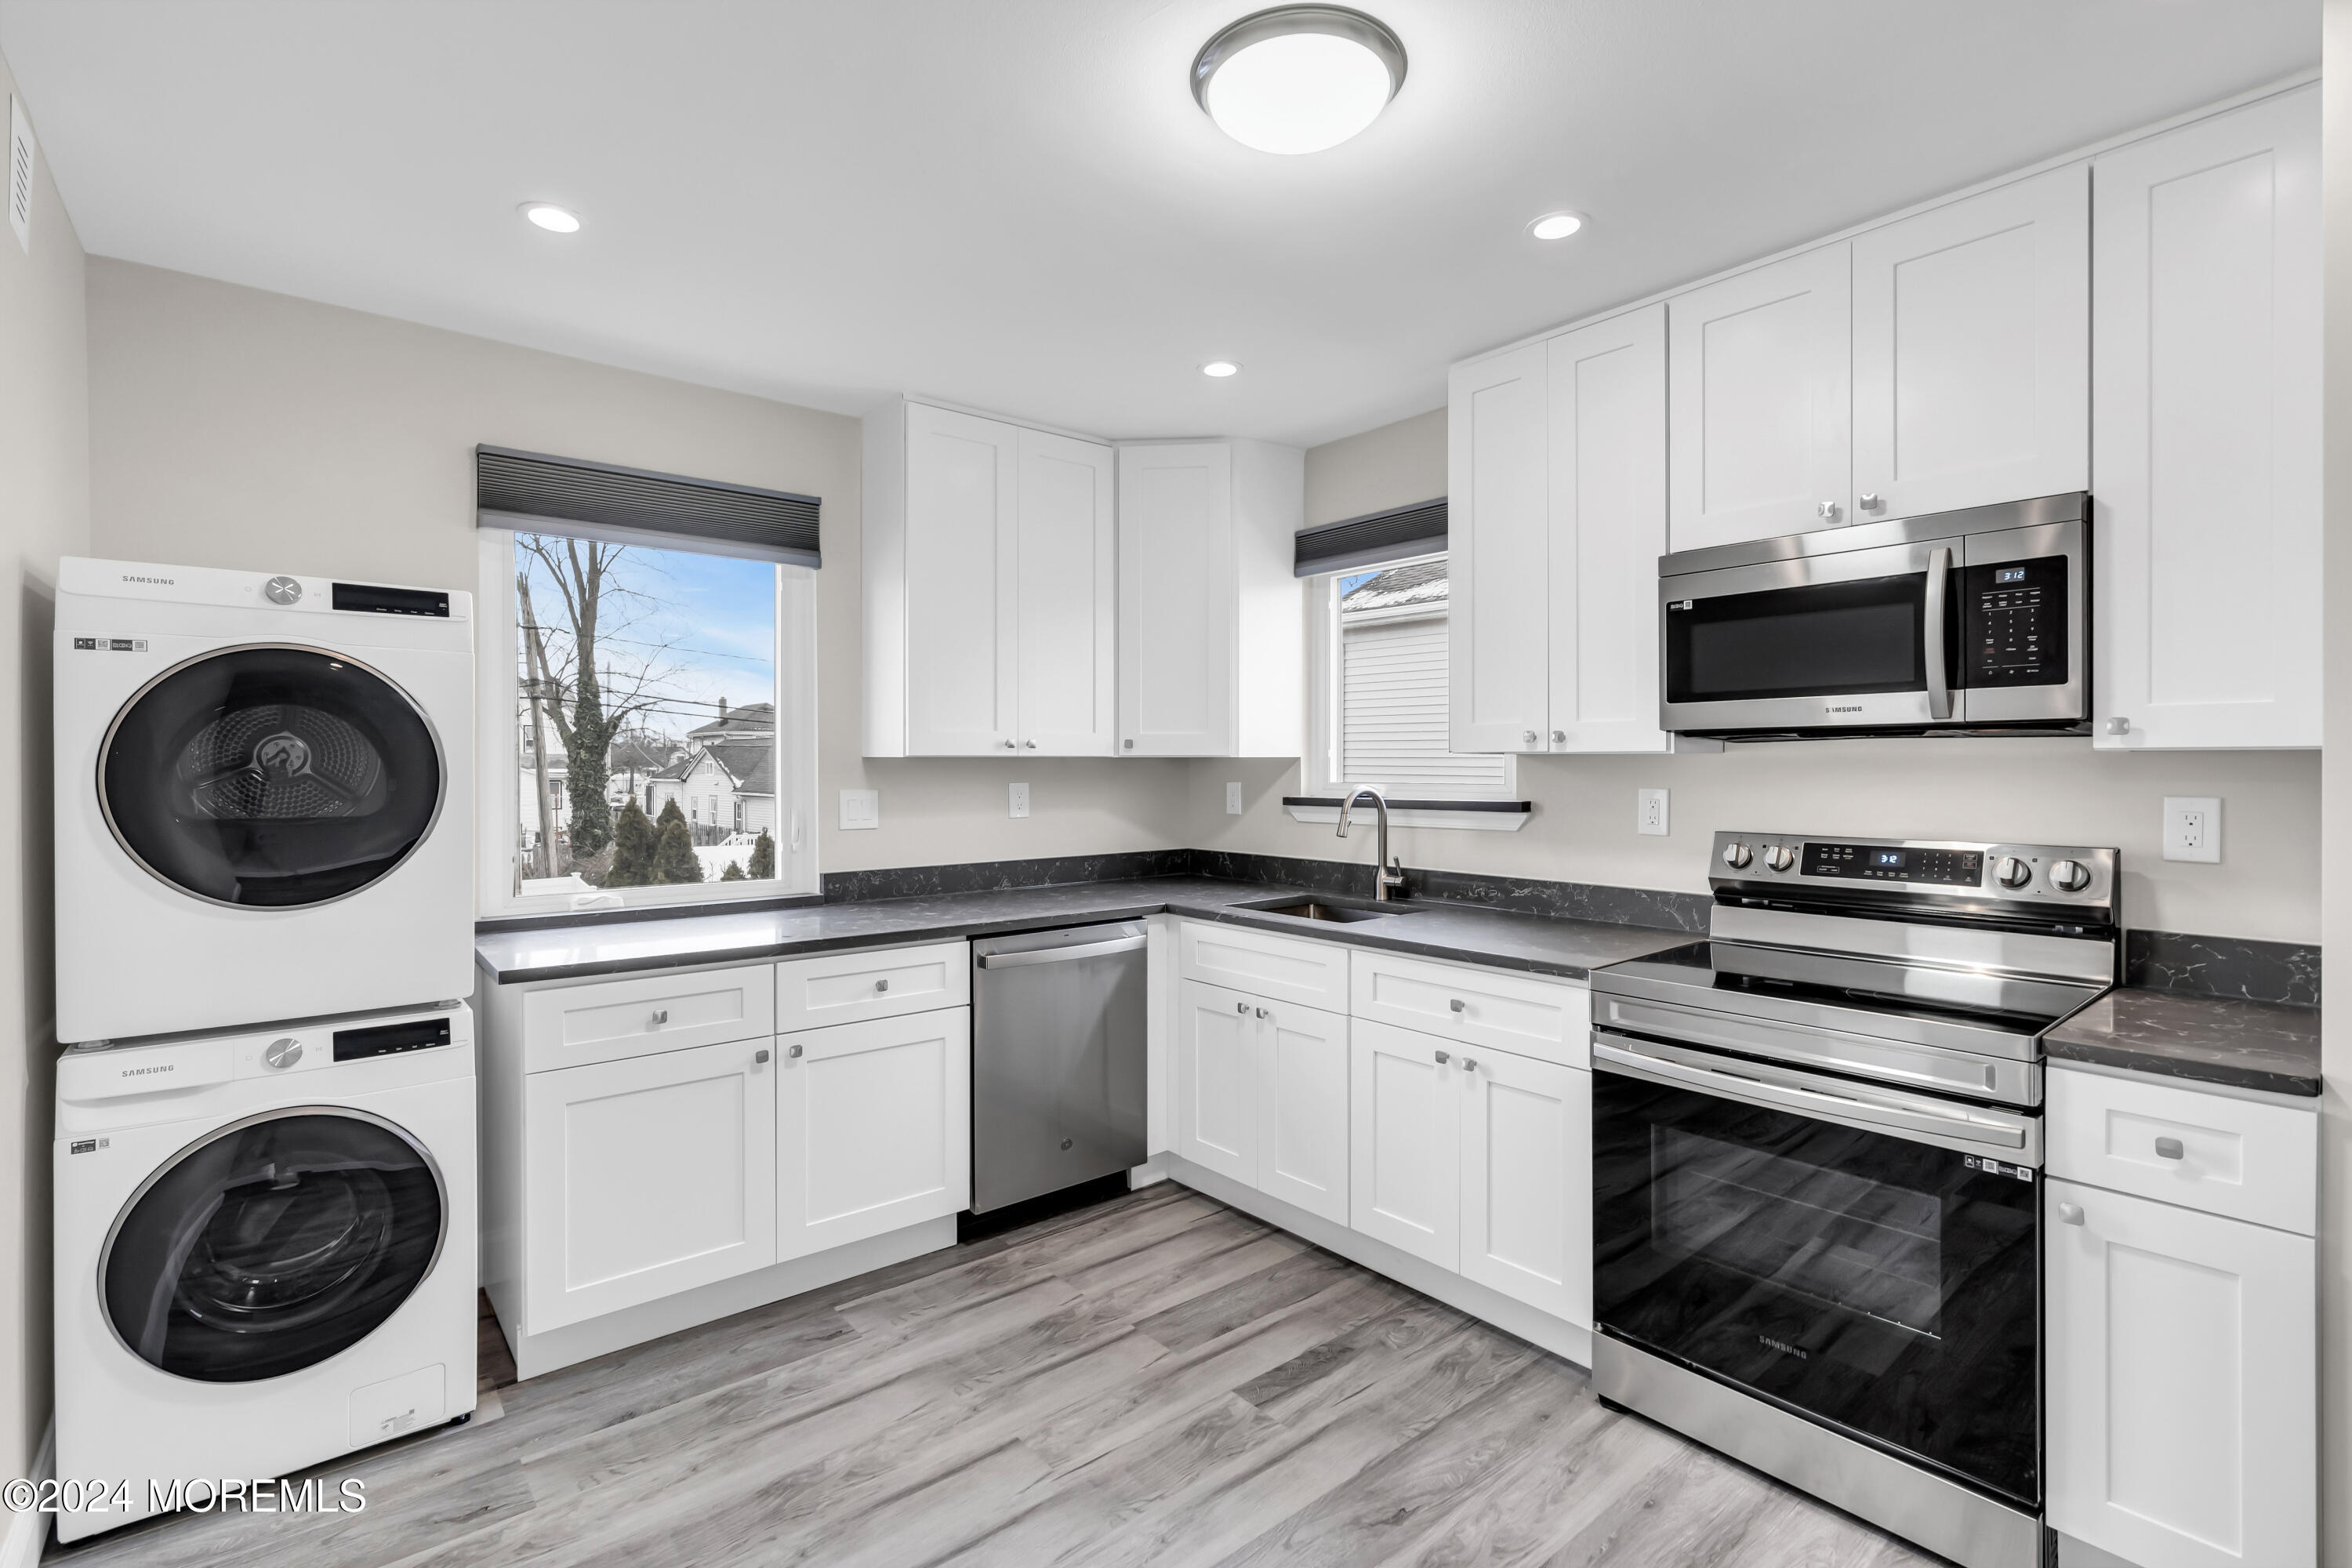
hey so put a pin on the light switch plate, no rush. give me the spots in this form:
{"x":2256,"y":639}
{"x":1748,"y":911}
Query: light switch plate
{"x":1650,"y":811}
{"x":1019,"y":795}
{"x":2192,"y":827}
{"x":860,"y":808}
{"x":1233,"y":800}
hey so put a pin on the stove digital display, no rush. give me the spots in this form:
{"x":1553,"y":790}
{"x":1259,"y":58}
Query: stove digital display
{"x":1872,"y":862}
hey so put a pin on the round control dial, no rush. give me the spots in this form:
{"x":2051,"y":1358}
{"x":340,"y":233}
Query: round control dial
{"x":2070,"y":876}
{"x":1735,"y":855}
{"x":1778,"y":857}
{"x":2011,"y":872}
{"x":283,"y":1053}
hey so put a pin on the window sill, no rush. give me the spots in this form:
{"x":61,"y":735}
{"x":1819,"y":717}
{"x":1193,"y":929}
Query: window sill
{"x":1477,"y":815}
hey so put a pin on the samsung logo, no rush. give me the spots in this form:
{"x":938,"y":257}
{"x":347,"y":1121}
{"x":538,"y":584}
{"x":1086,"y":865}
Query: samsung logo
{"x":1850,"y":708}
{"x":146,"y":1072}
{"x":159,"y":581}
{"x":1782,"y":1346}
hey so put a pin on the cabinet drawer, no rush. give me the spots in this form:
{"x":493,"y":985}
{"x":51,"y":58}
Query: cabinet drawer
{"x":1280,"y":968}
{"x":2242,"y":1158}
{"x":613,"y":1019}
{"x":1551,"y":1020}
{"x":871,"y":983}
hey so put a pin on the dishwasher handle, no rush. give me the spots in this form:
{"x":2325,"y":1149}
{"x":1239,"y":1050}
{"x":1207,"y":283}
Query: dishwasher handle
{"x":1058,"y":955}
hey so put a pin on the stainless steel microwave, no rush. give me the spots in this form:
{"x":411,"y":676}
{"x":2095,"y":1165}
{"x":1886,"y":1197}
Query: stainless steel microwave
{"x":1961,"y":621}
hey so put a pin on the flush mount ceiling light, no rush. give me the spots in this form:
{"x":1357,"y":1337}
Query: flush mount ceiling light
{"x":550,"y":218}
{"x":1299,"y":79}
{"x":1221,"y":368}
{"x":1556,"y":226}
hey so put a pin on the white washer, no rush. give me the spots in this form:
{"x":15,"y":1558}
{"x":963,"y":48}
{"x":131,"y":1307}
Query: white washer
{"x":265,"y":1251}
{"x":264,"y":798}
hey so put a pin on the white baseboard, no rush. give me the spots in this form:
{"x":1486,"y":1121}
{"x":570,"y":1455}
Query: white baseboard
{"x":1151,"y":1171}
{"x":28,"y":1533}
{"x":1558,"y":1335}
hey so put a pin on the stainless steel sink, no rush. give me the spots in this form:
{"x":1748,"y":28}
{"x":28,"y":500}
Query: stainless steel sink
{"x":1316,"y":910}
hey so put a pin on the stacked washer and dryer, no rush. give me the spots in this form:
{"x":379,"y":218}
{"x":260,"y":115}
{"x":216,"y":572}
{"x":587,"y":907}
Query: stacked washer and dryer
{"x":265,"y":1161}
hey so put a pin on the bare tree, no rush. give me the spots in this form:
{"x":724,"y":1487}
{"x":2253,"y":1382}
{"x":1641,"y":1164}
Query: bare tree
{"x":592,"y":695}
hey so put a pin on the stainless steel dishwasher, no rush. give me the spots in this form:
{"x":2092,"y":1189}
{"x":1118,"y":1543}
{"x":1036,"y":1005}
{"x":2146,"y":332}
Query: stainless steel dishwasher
{"x":1057,"y":1059}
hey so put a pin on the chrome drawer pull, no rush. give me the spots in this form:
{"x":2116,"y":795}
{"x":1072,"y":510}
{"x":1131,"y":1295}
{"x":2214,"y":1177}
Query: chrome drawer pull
{"x":659,"y":1019}
{"x":2169,"y":1149}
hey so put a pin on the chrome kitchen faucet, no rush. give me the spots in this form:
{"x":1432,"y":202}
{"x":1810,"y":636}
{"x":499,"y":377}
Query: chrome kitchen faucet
{"x":1390,"y":874}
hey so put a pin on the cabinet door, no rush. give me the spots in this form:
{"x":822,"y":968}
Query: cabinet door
{"x":1069,"y":592}
{"x":1217,"y":1081}
{"x":1302,"y":1155}
{"x":2206,"y":466}
{"x":1175,"y":600}
{"x":1608,"y":528}
{"x":963,"y":591}
{"x":1404,"y":1142}
{"x":1527,"y":1182}
{"x":1496,"y":621}
{"x":1762,"y":385}
{"x":875,"y":1127}
{"x":1972,"y":351}
{"x":646,"y":1177}
{"x":2183,"y":1364}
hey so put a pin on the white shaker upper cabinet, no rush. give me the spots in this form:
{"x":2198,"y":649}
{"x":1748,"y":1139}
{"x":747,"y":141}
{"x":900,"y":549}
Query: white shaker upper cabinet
{"x":1497,"y":525}
{"x":1761,"y":388}
{"x":962,"y":593}
{"x":1212,"y":621}
{"x":2206,"y":462}
{"x":1068,"y":578}
{"x":1607,"y":530}
{"x":1971,"y":350}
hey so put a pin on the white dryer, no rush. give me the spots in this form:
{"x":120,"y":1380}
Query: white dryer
{"x":264,"y":798}
{"x":265,"y":1248}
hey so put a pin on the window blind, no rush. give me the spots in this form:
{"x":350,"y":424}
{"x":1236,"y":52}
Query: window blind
{"x":529,"y":491}
{"x":1376,"y":539}
{"x":1393,"y":714}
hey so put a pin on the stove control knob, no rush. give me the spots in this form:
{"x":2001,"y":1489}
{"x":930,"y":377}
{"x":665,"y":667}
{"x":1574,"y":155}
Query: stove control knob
{"x":1779,"y":856}
{"x":1735,"y":856}
{"x":2011,"y":872}
{"x":2070,"y":876}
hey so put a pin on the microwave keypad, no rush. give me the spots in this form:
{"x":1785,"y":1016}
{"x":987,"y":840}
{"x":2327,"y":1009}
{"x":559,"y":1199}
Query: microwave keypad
{"x":2016,"y":623}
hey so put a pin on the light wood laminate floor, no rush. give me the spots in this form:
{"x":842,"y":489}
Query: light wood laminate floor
{"x":1156,"y":1380}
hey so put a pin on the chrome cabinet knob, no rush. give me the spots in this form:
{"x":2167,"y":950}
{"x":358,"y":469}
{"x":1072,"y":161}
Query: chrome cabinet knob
{"x":1828,"y":510}
{"x":760,"y":1055}
{"x":1457,"y":1004}
{"x":2011,"y":872}
{"x":1469,"y":1063}
{"x":2118,"y":726}
{"x":1778,"y":857}
{"x":2070,"y":876}
{"x":1558,"y":737}
{"x":1444,"y":1057}
{"x":1735,"y":855}
{"x":282,"y":1053}
{"x":659,"y":1019}
{"x":792,"y":1050}
{"x":2070,"y":1214}
{"x":1242,"y":1008}
{"x":882,"y":984}
{"x":1869,"y":502}
{"x":1531,"y":737}
{"x":1030,"y":744}
{"x":1262,"y":1013}
{"x":1011,"y":745}
{"x":2170,"y":1149}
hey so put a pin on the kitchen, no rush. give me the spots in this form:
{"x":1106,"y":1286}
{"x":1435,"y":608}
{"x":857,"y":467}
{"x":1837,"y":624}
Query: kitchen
{"x":1182,"y":664}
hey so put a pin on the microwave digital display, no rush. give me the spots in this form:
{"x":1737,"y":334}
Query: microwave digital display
{"x":1954,"y":867}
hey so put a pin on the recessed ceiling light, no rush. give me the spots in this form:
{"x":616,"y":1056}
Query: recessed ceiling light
{"x":1556,"y":226}
{"x":1220,"y":367}
{"x":1299,"y":79}
{"x":550,"y":218}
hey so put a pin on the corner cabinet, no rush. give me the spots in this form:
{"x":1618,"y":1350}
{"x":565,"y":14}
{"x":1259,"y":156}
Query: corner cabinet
{"x":2206,"y":495}
{"x":990,"y":586}
{"x":1212,"y":620}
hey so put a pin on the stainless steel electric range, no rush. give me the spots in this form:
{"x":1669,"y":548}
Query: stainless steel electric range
{"x":1817,"y":1157}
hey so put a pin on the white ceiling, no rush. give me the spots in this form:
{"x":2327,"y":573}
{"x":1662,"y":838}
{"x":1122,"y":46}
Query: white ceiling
{"x":1016,"y":204}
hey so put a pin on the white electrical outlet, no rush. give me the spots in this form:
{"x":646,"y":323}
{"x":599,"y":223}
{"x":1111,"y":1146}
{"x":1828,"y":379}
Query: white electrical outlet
{"x":1650,"y":811}
{"x":1233,"y":800}
{"x":1020,"y":793}
{"x":860,"y":808}
{"x":2192,"y":827}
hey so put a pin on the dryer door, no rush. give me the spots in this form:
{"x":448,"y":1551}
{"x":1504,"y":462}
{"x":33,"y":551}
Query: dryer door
{"x":272,"y":1244}
{"x":270,"y":776}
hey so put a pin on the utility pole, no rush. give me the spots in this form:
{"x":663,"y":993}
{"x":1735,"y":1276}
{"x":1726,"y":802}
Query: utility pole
{"x":537,"y":658}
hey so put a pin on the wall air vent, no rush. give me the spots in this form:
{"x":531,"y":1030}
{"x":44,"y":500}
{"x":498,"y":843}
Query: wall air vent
{"x":20,"y":174}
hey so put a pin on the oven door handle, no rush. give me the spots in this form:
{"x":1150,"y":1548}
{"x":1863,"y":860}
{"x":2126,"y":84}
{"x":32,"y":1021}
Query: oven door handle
{"x":1756,"y":1084}
{"x":1939,"y":606}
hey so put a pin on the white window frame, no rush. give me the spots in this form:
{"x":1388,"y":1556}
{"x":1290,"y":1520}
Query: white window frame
{"x":1319,"y":768}
{"x":498,"y":799}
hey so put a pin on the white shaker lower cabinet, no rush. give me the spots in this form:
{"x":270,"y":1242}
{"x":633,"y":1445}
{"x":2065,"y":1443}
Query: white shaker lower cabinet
{"x":1216,"y":1081}
{"x":1406,"y":1133}
{"x":876,"y":1127}
{"x":1527,"y":1182}
{"x":1263,"y":1095}
{"x":647,"y":1177}
{"x":2181,"y":1374}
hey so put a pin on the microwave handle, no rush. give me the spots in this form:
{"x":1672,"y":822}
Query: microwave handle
{"x":1939,"y":593}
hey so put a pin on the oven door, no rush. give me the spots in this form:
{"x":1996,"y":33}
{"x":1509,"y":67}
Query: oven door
{"x":1867,"y":1258}
{"x":1860,"y":639}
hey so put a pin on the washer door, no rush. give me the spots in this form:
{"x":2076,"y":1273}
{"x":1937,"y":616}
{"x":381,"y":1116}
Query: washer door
{"x":272,"y":1244}
{"x":270,"y":776}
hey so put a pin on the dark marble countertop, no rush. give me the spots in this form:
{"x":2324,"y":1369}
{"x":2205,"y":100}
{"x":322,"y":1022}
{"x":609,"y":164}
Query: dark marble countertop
{"x":2210,"y":1039}
{"x":1539,"y":944}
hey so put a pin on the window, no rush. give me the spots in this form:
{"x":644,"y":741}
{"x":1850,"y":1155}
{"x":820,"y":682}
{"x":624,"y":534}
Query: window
{"x":633,"y":695}
{"x":1382,"y":709}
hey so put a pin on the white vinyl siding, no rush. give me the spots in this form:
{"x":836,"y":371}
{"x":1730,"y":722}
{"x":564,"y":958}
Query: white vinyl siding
{"x":1393,"y":711}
